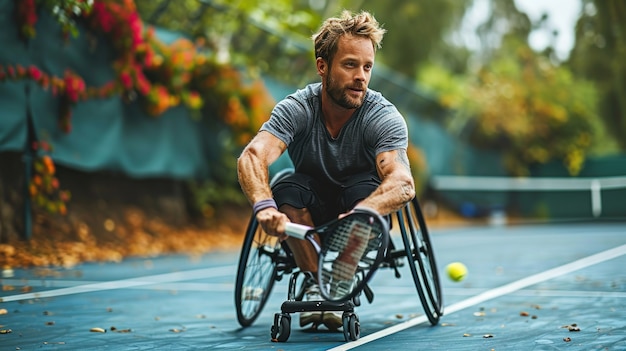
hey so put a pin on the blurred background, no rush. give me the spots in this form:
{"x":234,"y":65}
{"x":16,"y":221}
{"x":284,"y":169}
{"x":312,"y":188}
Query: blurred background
{"x":121,"y":121}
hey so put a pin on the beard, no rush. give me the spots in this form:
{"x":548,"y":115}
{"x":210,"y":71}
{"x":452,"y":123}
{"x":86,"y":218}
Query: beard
{"x":339,"y":95}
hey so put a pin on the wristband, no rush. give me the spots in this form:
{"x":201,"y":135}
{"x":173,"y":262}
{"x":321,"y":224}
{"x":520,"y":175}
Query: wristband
{"x":263,"y":204}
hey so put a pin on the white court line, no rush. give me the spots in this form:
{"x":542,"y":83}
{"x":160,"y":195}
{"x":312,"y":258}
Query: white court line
{"x":493,"y":293}
{"x":127,"y":283}
{"x":393,"y":292}
{"x":178,"y":286}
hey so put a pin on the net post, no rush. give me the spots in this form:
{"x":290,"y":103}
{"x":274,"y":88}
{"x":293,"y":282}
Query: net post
{"x":596,"y":198}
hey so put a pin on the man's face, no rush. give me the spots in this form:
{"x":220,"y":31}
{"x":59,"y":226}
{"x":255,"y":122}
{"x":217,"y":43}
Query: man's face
{"x":347,"y":78}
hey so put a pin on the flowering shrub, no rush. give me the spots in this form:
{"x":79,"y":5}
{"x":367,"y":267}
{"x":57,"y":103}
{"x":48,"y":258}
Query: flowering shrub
{"x":44,"y":186}
{"x":160,"y":76}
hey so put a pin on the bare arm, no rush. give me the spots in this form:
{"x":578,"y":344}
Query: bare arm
{"x":253,"y":174}
{"x":397,"y":186}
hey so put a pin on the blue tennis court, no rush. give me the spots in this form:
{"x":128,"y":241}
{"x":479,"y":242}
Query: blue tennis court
{"x":530,"y":287}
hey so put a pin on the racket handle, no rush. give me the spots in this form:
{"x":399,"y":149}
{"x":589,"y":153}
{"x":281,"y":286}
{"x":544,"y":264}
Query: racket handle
{"x":296,"y":230}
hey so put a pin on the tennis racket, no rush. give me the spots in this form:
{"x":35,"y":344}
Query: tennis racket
{"x":352,"y":248}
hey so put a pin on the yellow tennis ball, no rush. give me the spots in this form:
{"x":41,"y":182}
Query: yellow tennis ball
{"x":456,"y":271}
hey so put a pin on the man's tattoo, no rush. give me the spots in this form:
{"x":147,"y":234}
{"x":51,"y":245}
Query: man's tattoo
{"x":403,"y":159}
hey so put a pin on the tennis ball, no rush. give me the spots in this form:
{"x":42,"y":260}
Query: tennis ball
{"x":456,"y":271}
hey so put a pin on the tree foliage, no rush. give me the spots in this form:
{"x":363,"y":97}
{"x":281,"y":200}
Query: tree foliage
{"x":416,"y":30}
{"x":600,"y":55}
{"x":270,"y":37}
{"x":521,"y":103}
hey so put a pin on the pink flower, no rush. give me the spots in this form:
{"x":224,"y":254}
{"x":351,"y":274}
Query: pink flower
{"x":74,"y":87}
{"x":34,"y":72}
{"x":126,"y":80}
{"x":103,"y":17}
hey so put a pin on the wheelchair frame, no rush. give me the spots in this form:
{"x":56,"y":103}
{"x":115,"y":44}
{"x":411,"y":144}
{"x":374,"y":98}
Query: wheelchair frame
{"x":264,"y":260}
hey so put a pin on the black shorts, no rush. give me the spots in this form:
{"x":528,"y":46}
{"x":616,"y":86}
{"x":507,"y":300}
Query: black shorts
{"x":325,"y":202}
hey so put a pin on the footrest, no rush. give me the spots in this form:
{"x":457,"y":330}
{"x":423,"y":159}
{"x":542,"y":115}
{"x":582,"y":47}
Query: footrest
{"x":308,"y":306}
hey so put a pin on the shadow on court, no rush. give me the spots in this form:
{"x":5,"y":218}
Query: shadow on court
{"x":532,"y":287}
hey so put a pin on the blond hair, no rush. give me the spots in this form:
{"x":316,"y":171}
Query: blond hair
{"x":362,"y":24}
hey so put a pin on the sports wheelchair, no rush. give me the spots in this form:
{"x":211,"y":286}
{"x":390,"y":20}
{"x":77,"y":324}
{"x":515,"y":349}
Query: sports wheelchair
{"x":265,"y":260}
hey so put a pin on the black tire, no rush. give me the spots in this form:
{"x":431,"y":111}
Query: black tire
{"x":419,"y":248}
{"x":281,"y":330}
{"x":354,"y":327}
{"x":256,"y":273}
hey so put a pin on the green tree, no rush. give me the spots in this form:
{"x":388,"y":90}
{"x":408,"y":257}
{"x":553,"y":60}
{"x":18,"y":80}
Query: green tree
{"x":520,"y":102}
{"x":600,"y":55}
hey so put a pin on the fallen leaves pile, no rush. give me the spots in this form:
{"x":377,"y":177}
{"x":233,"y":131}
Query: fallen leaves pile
{"x":66,"y":243}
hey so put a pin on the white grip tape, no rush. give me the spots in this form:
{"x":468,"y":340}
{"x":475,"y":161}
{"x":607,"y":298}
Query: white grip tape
{"x":296,"y":230}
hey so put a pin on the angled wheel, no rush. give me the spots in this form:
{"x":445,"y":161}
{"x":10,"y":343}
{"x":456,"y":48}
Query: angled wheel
{"x":419,"y":249}
{"x":256,"y":273}
{"x":262,"y":261}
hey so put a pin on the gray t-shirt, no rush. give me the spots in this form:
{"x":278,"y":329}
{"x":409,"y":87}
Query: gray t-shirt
{"x":375,"y":127}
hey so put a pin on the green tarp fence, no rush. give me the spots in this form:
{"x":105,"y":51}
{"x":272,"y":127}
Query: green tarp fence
{"x":107,"y":134}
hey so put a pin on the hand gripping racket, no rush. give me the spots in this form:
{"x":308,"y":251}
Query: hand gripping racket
{"x":351,"y":251}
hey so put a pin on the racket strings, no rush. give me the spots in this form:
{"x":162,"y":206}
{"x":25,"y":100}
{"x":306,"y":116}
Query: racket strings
{"x":346,"y":259}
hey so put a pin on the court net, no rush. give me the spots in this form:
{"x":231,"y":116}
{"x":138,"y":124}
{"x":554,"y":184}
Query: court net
{"x":546,"y":198}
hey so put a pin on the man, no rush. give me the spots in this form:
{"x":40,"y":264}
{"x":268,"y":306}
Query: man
{"x":347,"y":143}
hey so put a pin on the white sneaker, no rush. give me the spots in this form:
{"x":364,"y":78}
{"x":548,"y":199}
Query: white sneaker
{"x":339,"y":289}
{"x":312,"y":293}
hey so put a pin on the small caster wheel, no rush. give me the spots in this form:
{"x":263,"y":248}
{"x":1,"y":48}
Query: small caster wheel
{"x":282,"y":327}
{"x":351,"y":326}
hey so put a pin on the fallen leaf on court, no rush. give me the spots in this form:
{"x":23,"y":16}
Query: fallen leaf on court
{"x":447,"y":324}
{"x":537,"y":307}
{"x":487,"y":336}
{"x":6,"y":331}
{"x":567,"y":339}
{"x":466,"y":335}
{"x":97,"y":330}
{"x":176,"y":330}
{"x":524,"y":314}
{"x":479,"y":314}
{"x":7,"y":272}
{"x":8,"y":287}
{"x":114,"y":328}
{"x":399,"y":316}
{"x":534,"y":316}
{"x":3,"y":311}
{"x":50,"y":323}
{"x":26,"y":289}
{"x":572,"y":327}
